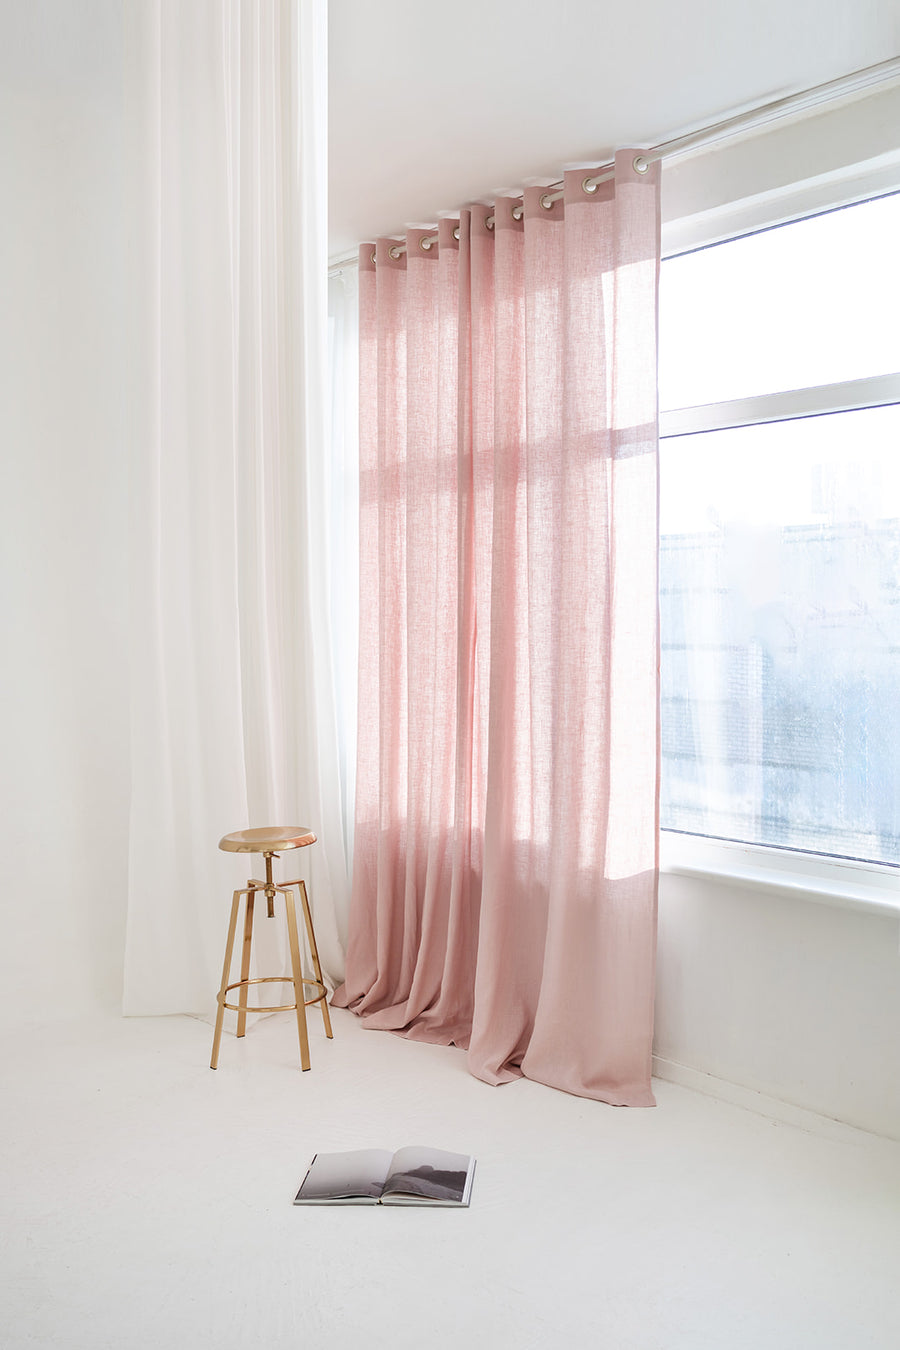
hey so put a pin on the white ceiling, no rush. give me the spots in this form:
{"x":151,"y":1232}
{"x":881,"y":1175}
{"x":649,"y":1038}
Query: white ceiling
{"x":433,"y":105}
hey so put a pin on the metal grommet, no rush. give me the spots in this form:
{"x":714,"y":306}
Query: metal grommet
{"x":547,"y":201}
{"x":394,"y":252}
{"x":373,"y":255}
{"x":639,"y":164}
{"x":518,"y":211}
{"x":425,"y":243}
{"x":456,"y":232}
{"x":588,"y":185}
{"x":489,"y":222}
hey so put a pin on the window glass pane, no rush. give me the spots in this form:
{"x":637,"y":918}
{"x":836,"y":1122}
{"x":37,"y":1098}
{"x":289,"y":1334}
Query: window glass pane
{"x":810,"y":303}
{"x":780,"y":612}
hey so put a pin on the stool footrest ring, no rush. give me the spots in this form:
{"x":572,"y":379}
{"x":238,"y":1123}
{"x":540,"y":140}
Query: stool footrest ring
{"x":272,"y":979}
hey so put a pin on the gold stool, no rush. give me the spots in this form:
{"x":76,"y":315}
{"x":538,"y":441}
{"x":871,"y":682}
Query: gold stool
{"x":266,"y":842}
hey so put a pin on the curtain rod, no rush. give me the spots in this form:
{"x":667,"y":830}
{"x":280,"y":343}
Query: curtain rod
{"x":754,"y":117}
{"x":779,"y":107}
{"x":730,"y":126}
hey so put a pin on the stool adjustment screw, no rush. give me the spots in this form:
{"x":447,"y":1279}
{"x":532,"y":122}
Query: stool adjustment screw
{"x":270,"y":886}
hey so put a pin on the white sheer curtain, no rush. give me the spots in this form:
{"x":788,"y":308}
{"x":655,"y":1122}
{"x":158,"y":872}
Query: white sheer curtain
{"x":234,"y":719}
{"x":343,"y":514}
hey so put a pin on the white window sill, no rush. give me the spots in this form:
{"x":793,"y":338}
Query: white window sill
{"x":804,"y":876}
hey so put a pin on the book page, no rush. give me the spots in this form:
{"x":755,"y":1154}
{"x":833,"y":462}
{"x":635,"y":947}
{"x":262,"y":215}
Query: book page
{"x":429,"y":1174}
{"x":333,"y":1177}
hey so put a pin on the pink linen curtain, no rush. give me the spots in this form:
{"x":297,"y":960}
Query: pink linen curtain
{"x":505,"y":875}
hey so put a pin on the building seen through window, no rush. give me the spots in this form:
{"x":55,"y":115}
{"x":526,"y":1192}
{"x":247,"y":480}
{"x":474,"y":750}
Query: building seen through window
{"x":780,"y":542}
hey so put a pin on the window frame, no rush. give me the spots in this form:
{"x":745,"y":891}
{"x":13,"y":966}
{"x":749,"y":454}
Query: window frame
{"x":782,"y":871}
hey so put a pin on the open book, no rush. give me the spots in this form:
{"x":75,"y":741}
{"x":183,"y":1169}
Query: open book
{"x":373,"y":1176}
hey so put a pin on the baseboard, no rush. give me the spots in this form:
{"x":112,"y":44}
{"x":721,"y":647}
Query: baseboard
{"x":800,"y":1117}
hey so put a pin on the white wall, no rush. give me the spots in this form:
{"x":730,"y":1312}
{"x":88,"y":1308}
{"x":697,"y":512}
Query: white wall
{"x":63,"y":508}
{"x":791,"y":998}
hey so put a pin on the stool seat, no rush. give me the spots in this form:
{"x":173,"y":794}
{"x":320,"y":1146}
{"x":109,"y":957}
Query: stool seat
{"x":271,"y":839}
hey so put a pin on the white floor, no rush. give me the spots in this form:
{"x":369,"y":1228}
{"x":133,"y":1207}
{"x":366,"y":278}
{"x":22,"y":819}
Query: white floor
{"x":148,"y":1204}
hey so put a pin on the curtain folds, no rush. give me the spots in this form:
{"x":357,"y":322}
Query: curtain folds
{"x":233,"y":720}
{"x":505,"y":875}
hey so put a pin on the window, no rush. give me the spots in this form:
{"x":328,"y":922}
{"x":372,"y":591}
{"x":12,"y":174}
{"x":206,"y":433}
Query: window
{"x":780,"y":537}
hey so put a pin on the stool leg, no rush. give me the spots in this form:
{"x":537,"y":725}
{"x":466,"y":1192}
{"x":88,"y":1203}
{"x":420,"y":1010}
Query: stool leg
{"x":229,"y":948}
{"x":314,"y":953}
{"x":297,"y":970}
{"x":245,"y":964}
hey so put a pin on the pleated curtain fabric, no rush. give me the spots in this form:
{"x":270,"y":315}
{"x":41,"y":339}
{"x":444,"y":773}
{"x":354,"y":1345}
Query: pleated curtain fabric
{"x":505,"y":873}
{"x":233,"y":716}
